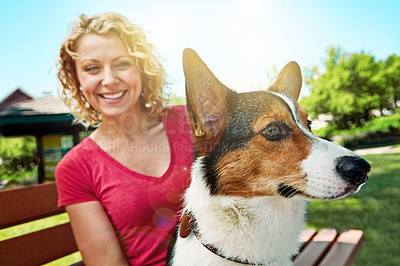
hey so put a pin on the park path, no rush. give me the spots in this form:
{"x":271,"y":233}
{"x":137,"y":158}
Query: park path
{"x":378,"y":150}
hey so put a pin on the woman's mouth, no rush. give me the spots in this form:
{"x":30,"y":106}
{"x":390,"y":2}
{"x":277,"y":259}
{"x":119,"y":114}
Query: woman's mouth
{"x":113,"y":95}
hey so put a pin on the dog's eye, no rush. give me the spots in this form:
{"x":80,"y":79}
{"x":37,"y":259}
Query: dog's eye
{"x":272,"y":132}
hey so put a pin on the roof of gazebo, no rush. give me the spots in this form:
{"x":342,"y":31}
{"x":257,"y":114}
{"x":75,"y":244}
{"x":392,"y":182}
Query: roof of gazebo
{"x":49,"y":112}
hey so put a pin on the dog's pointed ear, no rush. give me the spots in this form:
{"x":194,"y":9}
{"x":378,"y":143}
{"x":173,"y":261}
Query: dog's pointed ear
{"x":205,"y":98}
{"x":289,"y":81}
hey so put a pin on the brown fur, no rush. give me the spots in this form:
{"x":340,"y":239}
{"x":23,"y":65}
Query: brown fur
{"x":259,"y":168}
{"x":262,"y":166}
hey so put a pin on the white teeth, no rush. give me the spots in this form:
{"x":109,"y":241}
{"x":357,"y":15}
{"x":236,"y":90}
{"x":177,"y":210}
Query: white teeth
{"x":112,"y":96}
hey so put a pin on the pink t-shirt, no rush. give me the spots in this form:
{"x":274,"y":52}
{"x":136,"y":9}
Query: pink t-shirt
{"x":143,"y":209}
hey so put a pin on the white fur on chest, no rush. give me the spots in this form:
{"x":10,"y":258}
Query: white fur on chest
{"x":262,"y":229}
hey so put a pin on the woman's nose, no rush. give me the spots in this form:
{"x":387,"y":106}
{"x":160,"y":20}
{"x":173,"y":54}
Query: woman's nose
{"x":109,"y":78}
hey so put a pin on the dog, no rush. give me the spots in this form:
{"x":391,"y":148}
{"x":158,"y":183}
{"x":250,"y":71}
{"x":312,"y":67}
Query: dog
{"x":256,"y":165}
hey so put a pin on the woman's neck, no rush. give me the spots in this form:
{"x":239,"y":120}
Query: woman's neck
{"x":129,"y":126}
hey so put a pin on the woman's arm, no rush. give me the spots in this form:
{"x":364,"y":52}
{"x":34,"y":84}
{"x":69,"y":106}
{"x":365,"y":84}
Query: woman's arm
{"x":95,"y":235}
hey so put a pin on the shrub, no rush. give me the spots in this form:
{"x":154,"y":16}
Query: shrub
{"x":17,"y":158}
{"x":378,"y":129}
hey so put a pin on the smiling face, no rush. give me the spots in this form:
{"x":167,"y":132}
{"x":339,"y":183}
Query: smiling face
{"x":108,"y":76}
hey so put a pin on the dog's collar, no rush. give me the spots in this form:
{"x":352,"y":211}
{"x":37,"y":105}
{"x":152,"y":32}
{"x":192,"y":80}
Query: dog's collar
{"x":189,"y":224}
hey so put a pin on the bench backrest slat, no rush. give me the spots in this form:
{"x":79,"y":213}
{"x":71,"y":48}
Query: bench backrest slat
{"x":344,"y":250}
{"x":306,"y":237}
{"x":28,"y":204}
{"x":38,"y":247}
{"x":317,"y":248}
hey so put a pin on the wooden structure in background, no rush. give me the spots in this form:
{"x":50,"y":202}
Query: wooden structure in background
{"x":23,"y":115}
{"x":16,"y":96}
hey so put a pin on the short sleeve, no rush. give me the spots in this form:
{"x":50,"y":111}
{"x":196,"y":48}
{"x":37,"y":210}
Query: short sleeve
{"x":73,"y":180}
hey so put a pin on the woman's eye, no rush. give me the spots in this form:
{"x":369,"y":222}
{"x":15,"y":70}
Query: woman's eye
{"x":91,"y":68}
{"x":123,"y":64}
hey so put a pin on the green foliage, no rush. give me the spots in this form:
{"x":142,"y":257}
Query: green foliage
{"x":379,"y":129}
{"x":351,"y":87}
{"x":374,"y":210}
{"x":17,"y":157}
{"x":379,"y":124}
{"x":176,"y":100}
{"x":392,"y":77}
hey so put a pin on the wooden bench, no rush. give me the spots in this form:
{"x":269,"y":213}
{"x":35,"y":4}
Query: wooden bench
{"x":27,"y":204}
{"x":21,"y":205}
{"x":329,"y":248}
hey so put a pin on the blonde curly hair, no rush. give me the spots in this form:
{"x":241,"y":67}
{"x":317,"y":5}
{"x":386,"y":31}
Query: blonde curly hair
{"x":147,"y":61}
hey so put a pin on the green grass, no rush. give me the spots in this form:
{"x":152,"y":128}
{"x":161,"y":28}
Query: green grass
{"x":375,"y":210}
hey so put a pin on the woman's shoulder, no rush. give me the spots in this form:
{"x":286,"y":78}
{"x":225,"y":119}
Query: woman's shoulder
{"x":176,"y":112}
{"x":177,"y":109}
{"x":78,"y":153}
{"x":176,"y":116}
{"x":87,"y":144}
{"x":73,"y":174}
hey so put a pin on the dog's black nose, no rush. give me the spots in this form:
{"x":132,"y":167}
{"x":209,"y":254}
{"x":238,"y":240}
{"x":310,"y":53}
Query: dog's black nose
{"x":353,"y":169}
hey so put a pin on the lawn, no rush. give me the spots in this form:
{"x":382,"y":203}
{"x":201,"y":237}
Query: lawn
{"x":375,"y":210}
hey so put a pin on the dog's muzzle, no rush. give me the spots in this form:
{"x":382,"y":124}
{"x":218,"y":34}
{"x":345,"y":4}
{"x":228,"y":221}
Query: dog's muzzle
{"x":353,"y":169}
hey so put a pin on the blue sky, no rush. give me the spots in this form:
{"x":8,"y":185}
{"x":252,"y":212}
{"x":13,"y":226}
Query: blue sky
{"x":240,"y":40}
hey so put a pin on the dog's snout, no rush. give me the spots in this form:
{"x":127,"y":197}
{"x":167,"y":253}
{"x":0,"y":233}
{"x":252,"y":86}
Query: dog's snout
{"x":353,"y":169}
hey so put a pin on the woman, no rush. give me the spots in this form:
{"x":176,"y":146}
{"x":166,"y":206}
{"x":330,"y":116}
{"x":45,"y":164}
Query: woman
{"x":122,"y":185}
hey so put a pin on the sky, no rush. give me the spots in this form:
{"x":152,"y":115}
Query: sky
{"x":240,"y":40}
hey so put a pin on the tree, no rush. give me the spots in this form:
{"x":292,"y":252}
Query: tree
{"x":17,"y":157}
{"x":176,"y":100}
{"x":392,"y":79}
{"x":351,"y":88}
